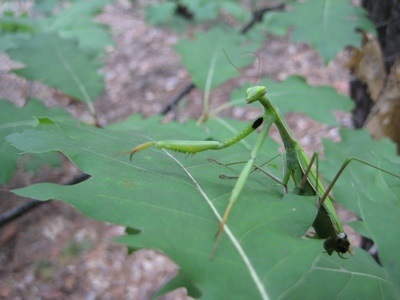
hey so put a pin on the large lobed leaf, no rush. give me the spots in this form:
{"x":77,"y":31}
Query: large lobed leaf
{"x":13,"y":29}
{"x":206,"y":11}
{"x":14,"y":119}
{"x":328,"y":25}
{"x":78,"y":10}
{"x":177,"y":14}
{"x":172,"y":203}
{"x":373,"y":195}
{"x":205,"y":59}
{"x":61,"y":64}
{"x":62,"y":51}
{"x":77,"y":22}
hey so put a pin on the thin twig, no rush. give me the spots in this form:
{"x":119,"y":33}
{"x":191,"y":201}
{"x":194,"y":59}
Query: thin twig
{"x":175,"y":99}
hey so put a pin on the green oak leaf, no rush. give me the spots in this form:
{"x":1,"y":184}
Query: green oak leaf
{"x":60,"y":63}
{"x":77,"y":22}
{"x":328,"y":25}
{"x":171,"y":202}
{"x":209,"y":65}
{"x":373,"y":195}
{"x":15,"y":119}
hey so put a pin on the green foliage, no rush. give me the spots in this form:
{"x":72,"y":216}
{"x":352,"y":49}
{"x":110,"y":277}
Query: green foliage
{"x":270,"y":24}
{"x":44,"y":269}
{"x":77,"y":22}
{"x":14,"y":119}
{"x":76,"y":248}
{"x":172,"y":202}
{"x":181,"y":206}
{"x":327,"y":25}
{"x":294,"y":94}
{"x":35,"y":162}
{"x":72,"y":71}
{"x":45,"y":7}
{"x":9,"y":23}
{"x":203,"y":10}
{"x":79,"y":10}
{"x":11,"y":41}
{"x":210,"y":64}
{"x":374,"y":196}
{"x":13,"y":29}
{"x":167,"y":13}
{"x":70,"y":42}
{"x":162,"y":13}
{"x":235,"y":10}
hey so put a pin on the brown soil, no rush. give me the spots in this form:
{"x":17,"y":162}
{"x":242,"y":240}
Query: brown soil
{"x":54,"y":252}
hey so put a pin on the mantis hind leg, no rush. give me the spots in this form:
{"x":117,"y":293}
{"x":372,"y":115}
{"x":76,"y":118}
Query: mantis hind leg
{"x":309,"y":173}
{"x":255,"y":168}
{"x":343,"y":167}
{"x":306,"y":176}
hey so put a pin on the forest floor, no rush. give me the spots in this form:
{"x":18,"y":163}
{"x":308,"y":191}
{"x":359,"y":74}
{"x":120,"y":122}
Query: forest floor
{"x":54,"y":252}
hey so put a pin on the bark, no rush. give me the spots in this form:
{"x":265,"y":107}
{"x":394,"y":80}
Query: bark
{"x":385,"y":14}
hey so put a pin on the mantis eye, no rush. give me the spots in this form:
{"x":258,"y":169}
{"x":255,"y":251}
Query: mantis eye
{"x":257,"y":123}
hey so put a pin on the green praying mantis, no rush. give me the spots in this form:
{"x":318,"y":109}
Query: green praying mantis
{"x":297,"y":165}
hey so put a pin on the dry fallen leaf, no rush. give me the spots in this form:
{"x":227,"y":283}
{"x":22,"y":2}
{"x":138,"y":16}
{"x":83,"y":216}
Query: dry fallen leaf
{"x":384,"y":119}
{"x":368,"y":65}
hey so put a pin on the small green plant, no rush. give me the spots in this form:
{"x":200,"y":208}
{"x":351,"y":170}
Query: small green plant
{"x":63,"y":51}
{"x":76,"y":248}
{"x":44,"y":270}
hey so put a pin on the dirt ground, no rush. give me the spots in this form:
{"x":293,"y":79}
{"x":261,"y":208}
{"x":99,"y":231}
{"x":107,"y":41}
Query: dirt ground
{"x":54,"y":252}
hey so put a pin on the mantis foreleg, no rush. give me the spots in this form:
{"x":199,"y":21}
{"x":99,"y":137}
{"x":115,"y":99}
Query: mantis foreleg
{"x":192,"y":147}
{"x":255,"y":168}
{"x":247,"y":169}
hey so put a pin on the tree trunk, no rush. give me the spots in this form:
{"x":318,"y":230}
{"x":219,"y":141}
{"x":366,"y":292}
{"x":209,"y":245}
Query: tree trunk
{"x":385,"y":14}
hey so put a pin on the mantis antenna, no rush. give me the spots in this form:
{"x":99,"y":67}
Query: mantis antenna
{"x":240,"y":71}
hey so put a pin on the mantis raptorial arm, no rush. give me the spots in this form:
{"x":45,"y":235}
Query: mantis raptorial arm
{"x":241,"y":182}
{"x":192,"y":147}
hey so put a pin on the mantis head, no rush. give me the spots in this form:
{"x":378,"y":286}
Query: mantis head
{"x":340,"y":244}
{"x":255,"y":93}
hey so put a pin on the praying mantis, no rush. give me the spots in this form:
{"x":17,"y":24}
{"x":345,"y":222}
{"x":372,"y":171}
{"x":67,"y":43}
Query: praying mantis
{"x":297,"y":166}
